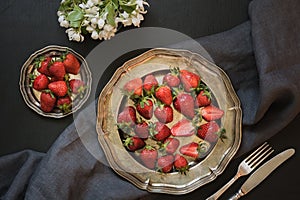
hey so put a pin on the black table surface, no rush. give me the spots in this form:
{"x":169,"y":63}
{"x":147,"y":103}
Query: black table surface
{"x":27,"y":26}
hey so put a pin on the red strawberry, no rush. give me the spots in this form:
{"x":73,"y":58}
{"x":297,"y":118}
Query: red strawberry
{"x":194,"y":150}
{"x":164,"y":94}
{"x":172,"y":78}
{"x":59,"y":88}
{"x":71,"y":64}
{"x":150,"y":83}
{"x":42,"y":65}
{"x":128,"y":115}
{"x":159,"y":131}
{"x":134,"y":87}
{"x":211,"y":132}
{"x":57,"y":70}
{"x":181,"y":164}
{"x":77,"y":86}
{"x":183,"y":128}
{"x":203,"y":99}
{"x":189,"y":80}
{"x":184,"y":103}
{"x":165,"y":163}
{"x":145,"y":108}
{"x":170,"y":145}
{"x":141,"y":130}
{"x":64,"y":104}
{"x":47,"y":101}
{"x":148,"y":156}
{"x":211,"y":112}
{"x":134,"y":143}
{"x":40,"y":82}
{"x":164,"y":113}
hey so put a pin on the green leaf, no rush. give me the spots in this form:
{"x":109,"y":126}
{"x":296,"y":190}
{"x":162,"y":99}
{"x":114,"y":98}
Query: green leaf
{"x":75,"y":24}
{"x":115,"y":3}
{"x":128,"y":9}
{"x":75,"y":15}
{"x":111,"y":14}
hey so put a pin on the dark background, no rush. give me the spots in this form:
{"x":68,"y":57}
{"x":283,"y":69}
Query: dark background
{"x":27,"y":26}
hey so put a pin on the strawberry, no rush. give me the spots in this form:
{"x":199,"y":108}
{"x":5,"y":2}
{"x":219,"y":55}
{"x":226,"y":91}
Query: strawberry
{"x":134,"y":143}
{"x":128,"y":115}
{"x":193,"y":149}
{"x":150,"y":83}
{"x":211,"y":112}
{"x":181,"y":164}
{"x":165,"y":163}
{"x":59,"y":88}
{"x":203,"y":99}
{"x":134,"y":87}
{"x":47,"y":101}
{"x":164,"y":113}
{"x":189,"y":80}
{"x":170,"y":145}
{"x":77,"y":86}
{"x":71,"y":63}
{"x":184,"y":103}
{"x":57,"y":70}
{"x":148,"y":156}
{"x":183,"y":128}
{"x":64,"y":104}
{"x":141,"y":130}
{"x":211,"y":132}
{"x":42,"y":65}
{"x":40,"y":82}
{"x":145,"y":108}
{"x":172,"y":78}
{"x":159,"y":131}
{"x":164,"y":94}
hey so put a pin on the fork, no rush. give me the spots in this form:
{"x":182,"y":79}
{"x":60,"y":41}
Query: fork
{"x":246,"y":167}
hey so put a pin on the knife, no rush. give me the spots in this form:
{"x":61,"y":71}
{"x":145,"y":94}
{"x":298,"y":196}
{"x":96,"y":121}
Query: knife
{"x":262,"y":172}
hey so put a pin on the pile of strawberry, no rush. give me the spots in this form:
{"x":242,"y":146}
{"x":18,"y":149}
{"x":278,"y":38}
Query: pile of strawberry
{"x":149,"y":117}
{"x":51,"y":77}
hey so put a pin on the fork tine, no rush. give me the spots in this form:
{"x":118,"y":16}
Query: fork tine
{"x":262,"y":157}
{"x":255,"y":153}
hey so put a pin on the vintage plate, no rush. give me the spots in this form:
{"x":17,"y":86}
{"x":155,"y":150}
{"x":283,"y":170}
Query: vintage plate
{"x":111,"y":100}
{"x":31,"y":96}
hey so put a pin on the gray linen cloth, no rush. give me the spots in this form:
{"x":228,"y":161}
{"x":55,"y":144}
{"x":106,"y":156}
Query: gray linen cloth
{"x":260,"y":56}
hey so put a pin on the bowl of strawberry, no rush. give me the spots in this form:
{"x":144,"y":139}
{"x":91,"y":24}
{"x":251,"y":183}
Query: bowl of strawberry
{"x":169,"y":121}
{"x":55,"y":81}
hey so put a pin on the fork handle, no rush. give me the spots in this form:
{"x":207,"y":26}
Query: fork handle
{"x":217,"y":194}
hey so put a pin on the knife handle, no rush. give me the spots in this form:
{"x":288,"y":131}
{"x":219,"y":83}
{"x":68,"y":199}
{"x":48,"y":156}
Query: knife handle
{"x":237,"y":195}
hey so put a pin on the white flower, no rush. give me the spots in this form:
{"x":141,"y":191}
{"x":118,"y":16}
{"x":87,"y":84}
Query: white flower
{"x":65,"y":24}
{"x":90,"y":29}
{"x":107,"y":32}
{"x":94,"y":20}
{"x":124,"y":15}
{"x":95,"y":35}
{"x":85,"y":22}
{"x":141,"y":3}
{"x":61,"y":18}
{"x":100,"y":23}
{"x":136,"y":20}
{"x":60,"y":13}
{"x":74,"y":35}
{"x":90,"y":3}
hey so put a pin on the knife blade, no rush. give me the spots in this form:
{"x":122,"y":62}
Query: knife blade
{"x":262,"y":172}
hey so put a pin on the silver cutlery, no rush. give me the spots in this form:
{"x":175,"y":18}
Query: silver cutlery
{"x":262,"y":172}
{"x":246,"y":167}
